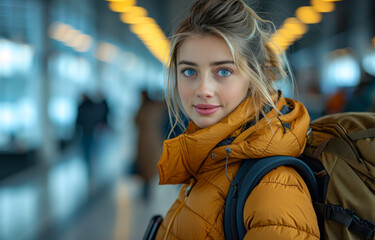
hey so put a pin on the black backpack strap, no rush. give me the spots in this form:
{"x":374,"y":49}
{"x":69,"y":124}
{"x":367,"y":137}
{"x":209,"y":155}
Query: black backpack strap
{"x":347,"y":218}
{"x":247,"y":177}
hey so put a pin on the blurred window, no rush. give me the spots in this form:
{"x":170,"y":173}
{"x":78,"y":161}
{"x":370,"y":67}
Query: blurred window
{"x":18,"y":79}
{"x":342,"y":71}
{"x":368,"y":62}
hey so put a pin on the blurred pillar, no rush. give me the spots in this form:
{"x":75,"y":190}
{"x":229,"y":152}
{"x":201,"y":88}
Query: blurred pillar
{"x":48,"y":150}
{"x":100,"y":9}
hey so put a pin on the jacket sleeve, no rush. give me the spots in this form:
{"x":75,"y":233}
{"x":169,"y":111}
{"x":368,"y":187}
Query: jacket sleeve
{"x":280,"y":207}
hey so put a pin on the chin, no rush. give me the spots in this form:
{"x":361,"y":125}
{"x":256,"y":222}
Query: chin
{"x":204,"y":124}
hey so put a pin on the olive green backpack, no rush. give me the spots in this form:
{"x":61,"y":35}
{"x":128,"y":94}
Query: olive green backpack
{"x":341,"y":153}
{"x":338,"y":166}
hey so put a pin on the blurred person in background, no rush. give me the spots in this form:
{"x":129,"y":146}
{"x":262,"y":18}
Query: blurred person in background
{"x":149,"y":120}
{"x":353,"y":99}
{"x":92,"y":117}
{"x":336,"y":102}
{"x":362,"y":98}
{"x":221,"y":74}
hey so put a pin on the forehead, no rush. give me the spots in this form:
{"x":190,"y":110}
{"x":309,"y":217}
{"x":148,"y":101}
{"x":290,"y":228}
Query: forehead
{"x":204,"y":48}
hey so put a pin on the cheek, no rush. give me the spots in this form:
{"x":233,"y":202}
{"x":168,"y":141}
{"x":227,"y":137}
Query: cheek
{"x":237,"y":94}
{"x":184,"y":92}
{"x":246,"y":88}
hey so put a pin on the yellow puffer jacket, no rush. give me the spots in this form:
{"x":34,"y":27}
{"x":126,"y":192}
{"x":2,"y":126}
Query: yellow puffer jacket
{"x":279,"y":207}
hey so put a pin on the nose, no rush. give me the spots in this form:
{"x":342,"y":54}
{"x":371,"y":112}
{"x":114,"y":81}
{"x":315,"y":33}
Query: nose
{"x":205,"y":88}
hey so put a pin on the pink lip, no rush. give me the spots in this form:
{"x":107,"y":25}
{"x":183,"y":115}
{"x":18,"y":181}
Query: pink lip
{"x":206,"y":109}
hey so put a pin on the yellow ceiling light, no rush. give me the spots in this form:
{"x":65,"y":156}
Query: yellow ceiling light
{"x":148,"y":40}
{"x":130,"y":2}
{"x":123,"y":6}
{"x":295,"y":26}
{"x":157,"y":32}
{"x":153,"y":40}
{"x":144,"y":29}
{"x":323,"y":6}
{"x":141,"y":20}
{"x":153,"y":43}
{"x":280,"y":42}
{"x":331,"y":0}
{"x":126,"y":18}
{"x":157,"y":43}
{"x":161,"y":51}
{"x":291,"y":30}
{"x":288,"y":36}
{"x":134,"y":16}
{"x":307,"y":14}
{"x":275,"y":47}
{"x":152,"y":37}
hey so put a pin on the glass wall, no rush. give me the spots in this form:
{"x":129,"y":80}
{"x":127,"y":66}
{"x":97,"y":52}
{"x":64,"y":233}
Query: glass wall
{"x":54,"y":55}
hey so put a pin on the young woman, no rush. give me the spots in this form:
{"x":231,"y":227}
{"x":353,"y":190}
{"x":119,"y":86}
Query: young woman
{"x":221,"y":73}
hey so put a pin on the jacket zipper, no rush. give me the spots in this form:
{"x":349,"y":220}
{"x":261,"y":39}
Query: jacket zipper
{"x":187,"y":193}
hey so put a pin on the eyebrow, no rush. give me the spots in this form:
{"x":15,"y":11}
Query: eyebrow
{"x":211,"y":64}
{"x":187,"y":63}
{"x":221,"y":63}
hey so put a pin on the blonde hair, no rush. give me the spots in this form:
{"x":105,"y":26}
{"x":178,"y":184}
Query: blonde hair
{"x":249,"y":38}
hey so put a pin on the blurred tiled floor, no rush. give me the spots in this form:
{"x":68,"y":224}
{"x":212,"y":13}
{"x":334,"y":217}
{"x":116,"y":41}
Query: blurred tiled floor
{"x":63,"y":203}
{"x":121,"y":213}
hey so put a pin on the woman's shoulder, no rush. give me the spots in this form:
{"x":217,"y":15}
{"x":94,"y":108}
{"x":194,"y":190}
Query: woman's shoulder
{"x":284,"y":175}
{"x":281,"y":204}
{"x":282,"y":183}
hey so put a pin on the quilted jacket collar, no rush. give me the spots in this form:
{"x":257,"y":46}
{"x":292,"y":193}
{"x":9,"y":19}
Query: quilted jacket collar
{"x":197,"y":150}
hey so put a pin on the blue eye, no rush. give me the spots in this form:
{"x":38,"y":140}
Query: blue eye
{"x":188,"y":72}
{"x":224,"y":72}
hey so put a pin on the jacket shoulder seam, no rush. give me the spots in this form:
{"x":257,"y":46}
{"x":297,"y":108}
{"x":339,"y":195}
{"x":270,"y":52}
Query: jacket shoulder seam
{"x":287,"y":170}
{"x":280,"y":183}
